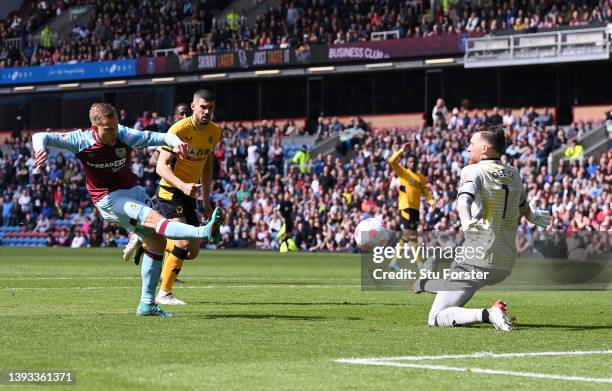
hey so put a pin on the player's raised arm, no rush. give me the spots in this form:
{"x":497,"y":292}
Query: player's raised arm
{"x":74,"y":142}
{"x":393,"y":160}
{"x":139,"y":139}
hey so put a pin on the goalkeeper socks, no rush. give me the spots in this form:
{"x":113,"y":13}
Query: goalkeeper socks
{"x":176,"y":230}
{"x":458,"y":316}
{"x":150,"y":272}
{"x":172,"y":267}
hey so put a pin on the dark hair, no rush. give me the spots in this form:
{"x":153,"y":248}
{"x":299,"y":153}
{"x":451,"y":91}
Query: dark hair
{"x":178,"y":107}
{"x":494,"y":135}
{"x":204,"y":94}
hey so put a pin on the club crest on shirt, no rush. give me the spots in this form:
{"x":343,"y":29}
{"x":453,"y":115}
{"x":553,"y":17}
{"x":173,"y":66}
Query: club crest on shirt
{"x":120,"y":152}
{"x":179,"y":210}
{"x":210,"y":139}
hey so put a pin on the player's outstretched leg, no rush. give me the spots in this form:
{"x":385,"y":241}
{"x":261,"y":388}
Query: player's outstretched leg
{"x":151,"y":270}
{"x":176,"y":230}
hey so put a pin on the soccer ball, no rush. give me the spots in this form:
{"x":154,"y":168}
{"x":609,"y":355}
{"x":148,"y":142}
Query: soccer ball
{"x":371,"y":233}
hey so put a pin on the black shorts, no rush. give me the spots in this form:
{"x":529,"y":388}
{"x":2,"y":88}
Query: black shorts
{"x":180,"y":205}
{"x":409,"y":218}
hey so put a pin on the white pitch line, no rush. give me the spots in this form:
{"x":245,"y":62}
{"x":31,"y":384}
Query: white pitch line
{"x":392,"y":362}
{"x":483,"y":355}
{"x":182,"y":287}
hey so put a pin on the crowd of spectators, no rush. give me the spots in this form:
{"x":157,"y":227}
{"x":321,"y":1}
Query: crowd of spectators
{"x":297,"y":22}
{"x":136,"y":28}
{"x":119,"y":29}
{"x":330,"y":194}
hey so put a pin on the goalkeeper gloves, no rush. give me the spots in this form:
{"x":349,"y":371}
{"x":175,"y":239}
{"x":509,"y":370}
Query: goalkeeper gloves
{"x":539,"y":217}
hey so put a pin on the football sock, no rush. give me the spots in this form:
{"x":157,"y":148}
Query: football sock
{"x":172,"y":267}
{"x":448,"y":308}
{"x":150,"y":272}
{"x":457,"y":316}
{"x":176,"y":230}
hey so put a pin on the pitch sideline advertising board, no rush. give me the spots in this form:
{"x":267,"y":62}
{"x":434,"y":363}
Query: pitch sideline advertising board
{"x":68,"y":72}
{"x":307,"y":55}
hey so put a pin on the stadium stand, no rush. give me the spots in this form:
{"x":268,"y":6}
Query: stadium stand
{"x":118,"y":30}
{"x":125,"y":29}
{"x":50,"y":207}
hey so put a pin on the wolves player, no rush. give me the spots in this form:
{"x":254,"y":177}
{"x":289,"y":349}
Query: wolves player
{"x":412,"y":187}
{"x":490,"y":200}
{"x":181,"y":179}
{"x":105,"y":151}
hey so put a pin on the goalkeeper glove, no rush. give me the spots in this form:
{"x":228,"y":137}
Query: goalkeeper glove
{"x":539,"y":217}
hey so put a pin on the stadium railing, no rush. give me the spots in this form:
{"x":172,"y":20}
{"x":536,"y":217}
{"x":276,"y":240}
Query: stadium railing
{"x":384,"y":35}
{"x":18,"y":42}
{"x":165,"y":52}
{"x":586,"y":44}
{"x":595,"y":143}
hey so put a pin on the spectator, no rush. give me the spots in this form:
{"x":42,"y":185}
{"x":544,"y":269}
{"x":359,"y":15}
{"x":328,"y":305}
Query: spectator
{"x":79,"y":240}
{"x":439,"y":113}
{"x":573,"y":150}
{"x":302,"y":158}
{"x":42,"y":224}
{"x":46,"y":38}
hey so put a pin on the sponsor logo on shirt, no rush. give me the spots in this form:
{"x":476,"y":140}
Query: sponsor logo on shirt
{"x":116,"y":165}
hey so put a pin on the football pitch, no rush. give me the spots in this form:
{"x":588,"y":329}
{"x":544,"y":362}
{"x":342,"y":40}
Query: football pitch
{"x":261,"y":320}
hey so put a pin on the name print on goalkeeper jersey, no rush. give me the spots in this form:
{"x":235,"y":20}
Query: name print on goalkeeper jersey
{"x":498,"y":194}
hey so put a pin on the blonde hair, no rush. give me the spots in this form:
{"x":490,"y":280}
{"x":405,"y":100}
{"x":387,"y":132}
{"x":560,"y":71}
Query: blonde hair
{"x":99,"y":111}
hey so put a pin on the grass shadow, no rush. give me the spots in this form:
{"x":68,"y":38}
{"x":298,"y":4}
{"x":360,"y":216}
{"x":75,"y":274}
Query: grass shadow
{"x":298,"y":303}
{"x":273,"y":317}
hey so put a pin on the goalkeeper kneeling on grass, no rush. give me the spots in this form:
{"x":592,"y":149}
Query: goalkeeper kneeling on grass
{"x":490,"y":200}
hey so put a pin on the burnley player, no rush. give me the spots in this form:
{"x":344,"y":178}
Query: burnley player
{"x":491,"y":198}
{"x":105,"y":151}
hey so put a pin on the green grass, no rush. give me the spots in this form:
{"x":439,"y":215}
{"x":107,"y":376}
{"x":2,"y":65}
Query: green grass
{"x":273,"y":321}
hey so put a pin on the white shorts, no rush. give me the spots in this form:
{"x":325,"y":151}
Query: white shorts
{"x":127,"y":208}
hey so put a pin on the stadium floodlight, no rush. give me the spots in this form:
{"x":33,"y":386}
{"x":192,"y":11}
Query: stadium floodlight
{"x":162,"y":79}
{"x":115,"y":82}
{"x":267,"y":72}
{"x":379,"y":65}
{"x":321,"y":69}
{"x":438,"y":61}
{"x":23,"y":88}
{"x":69,"y":85}
{"x":214,"y":76}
